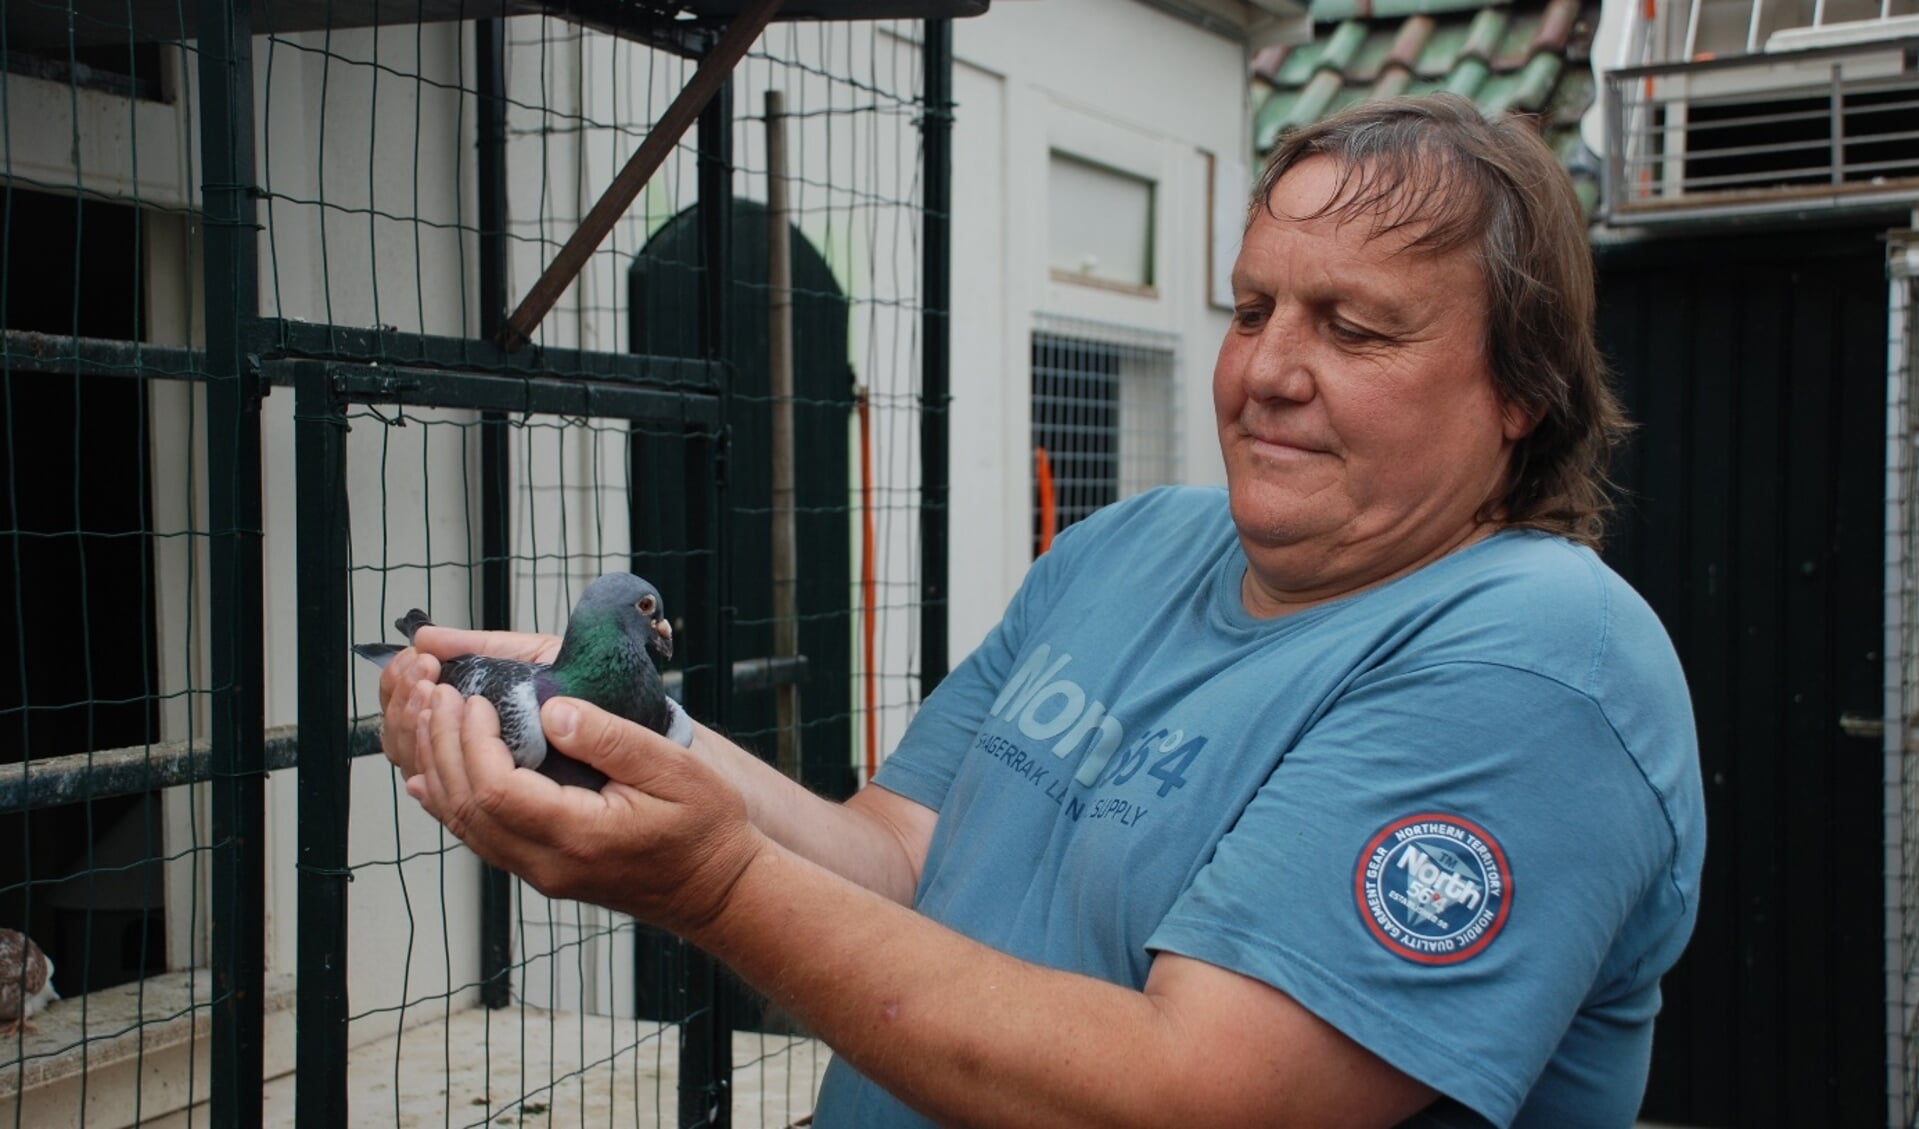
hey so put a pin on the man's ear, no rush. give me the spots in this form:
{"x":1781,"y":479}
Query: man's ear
{"x":1517,"y":420}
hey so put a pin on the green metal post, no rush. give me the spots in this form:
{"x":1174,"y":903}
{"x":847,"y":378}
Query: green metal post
{"x":496,"y":570}
{"x":936,"y":290}
{"x":234,"y":389}
{"x":320,"y":1043}
{"x":706,"y":1032}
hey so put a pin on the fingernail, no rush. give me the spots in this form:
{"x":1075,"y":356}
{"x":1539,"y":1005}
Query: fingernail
{"x":420,"y":691}
{"x":560,"y":720}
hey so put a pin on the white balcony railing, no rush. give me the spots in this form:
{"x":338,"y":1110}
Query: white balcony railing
{"x":1828,"y":127}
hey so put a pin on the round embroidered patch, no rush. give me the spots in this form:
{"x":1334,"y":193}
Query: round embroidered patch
{"x":1433,"y":888}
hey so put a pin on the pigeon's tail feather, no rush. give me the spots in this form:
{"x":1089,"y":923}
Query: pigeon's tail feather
{"x":412,"y":621}
{"x":379,"y":654}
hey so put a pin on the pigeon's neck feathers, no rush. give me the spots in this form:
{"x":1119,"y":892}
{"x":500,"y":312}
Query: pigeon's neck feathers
{"x":597,"y":659}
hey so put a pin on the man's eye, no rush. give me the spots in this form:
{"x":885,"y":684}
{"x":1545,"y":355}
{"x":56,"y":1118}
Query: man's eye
{"x":1251,"y":318}
{"x":1351,"y":334}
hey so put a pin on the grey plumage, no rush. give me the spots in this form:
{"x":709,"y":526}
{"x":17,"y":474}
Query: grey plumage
{"x":605,"y":658}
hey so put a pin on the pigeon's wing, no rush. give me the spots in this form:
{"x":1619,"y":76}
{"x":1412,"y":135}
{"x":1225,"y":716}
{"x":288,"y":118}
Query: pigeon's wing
{"x":511,"y":686}
{"x":13,"y":960}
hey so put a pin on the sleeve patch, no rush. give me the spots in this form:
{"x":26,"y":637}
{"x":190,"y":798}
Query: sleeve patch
{"x":1433,"y":888}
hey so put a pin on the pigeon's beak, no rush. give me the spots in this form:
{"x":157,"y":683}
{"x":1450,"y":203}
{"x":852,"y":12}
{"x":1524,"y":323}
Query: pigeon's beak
{"x":662,"y":640}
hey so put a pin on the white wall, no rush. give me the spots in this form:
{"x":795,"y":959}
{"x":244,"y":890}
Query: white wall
{"x":1125,"y":86}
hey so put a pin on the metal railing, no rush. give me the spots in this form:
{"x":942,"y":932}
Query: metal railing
{"x":1829,"y":128}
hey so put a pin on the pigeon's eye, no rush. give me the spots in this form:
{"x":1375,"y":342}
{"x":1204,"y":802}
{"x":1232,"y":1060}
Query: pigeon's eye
{"x":647,"y":605}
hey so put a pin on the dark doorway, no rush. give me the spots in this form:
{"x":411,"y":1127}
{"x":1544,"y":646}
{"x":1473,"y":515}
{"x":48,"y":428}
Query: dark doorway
{"x":664,"y":321}
{"x":664,"y":287}
{"x":77,"y":653}
{"x":1756,"y":367}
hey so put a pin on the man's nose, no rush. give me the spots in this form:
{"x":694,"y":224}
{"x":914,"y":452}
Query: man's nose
{"x":1280,"y":366}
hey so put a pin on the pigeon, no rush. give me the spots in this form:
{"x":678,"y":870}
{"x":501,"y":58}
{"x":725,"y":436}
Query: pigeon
{"x":26,"y":981}
{"x":603,"y":659}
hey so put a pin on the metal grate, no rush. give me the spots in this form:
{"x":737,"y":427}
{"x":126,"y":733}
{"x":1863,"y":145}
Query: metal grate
{"x":1105,"y":417}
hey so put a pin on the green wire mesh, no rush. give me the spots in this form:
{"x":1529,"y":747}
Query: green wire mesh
{"x":370,"y":244}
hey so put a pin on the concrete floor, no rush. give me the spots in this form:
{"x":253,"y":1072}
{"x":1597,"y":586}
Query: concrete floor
{"x":528,"y":1067}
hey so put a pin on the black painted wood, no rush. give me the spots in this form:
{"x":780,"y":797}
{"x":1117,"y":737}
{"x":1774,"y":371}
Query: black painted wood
{"x":1753,"y":523}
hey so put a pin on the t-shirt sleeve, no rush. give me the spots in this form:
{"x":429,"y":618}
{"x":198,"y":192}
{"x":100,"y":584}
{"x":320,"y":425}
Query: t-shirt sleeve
{"x":1438,"y":868}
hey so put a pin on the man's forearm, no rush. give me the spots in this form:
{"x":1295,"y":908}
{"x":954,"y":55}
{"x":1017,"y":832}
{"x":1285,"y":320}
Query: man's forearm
{"x":962,"y":1032}
{"x":847,"y":839}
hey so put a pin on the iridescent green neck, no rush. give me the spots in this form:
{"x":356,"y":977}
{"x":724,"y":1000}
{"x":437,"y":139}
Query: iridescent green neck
{"x":597,"y":659}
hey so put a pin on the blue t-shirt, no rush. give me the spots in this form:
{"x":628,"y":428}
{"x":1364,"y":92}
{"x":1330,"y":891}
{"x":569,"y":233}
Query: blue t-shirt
{"x":1457,"y":816}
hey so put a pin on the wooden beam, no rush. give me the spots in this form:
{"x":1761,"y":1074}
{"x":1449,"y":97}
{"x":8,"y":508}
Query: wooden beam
{"x":711,"y":74}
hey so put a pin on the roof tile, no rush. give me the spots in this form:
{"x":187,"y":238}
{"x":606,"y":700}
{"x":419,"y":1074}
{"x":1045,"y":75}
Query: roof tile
{"x":1527,"y":56}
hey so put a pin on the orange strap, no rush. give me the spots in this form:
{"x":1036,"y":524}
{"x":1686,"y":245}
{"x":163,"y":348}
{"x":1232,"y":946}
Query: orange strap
{"x":1048,"y":506}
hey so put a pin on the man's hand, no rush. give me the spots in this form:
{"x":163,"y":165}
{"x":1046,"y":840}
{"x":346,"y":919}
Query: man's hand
{"x":665,"y":840}
{"x":408,"y":679}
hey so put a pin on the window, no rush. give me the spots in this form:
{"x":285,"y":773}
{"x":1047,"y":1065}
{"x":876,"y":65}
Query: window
{"x":1104,"y":418}
{"x":126,"y":69}
{"x":1101,"y":225}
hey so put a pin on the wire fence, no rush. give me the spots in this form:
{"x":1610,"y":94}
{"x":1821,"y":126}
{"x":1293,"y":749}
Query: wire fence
{"x":1105,"y":410}
{"x":278,"y":399}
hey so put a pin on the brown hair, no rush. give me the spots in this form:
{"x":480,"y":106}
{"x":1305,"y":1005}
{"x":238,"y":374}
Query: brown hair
{"x":1436,"y":163}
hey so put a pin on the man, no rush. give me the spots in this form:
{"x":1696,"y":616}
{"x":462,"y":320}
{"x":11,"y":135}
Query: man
{"x":1360,"y":793}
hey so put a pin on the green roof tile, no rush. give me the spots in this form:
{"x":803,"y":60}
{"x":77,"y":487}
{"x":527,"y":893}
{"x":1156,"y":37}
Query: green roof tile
{"x":1272,"y":117}
{"x":1516,"y":42}
{"x":1343,"y":45}
{"x":1467,"y":78}
{"x":1534,"y":83}
{"x":1442,"y":50}
{"x":1299,"y":65}
{"x":1482,"y":37}
{"x":1368,"y":59}
{"x":1333,"y":11}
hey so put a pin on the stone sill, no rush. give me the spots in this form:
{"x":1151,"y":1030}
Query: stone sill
{"x":128,"y":1054}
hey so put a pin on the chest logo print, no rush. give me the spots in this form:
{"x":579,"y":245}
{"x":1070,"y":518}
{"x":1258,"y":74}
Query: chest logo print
{"x":1433,"y":888}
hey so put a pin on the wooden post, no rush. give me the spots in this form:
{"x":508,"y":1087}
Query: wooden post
{"x":779,"y":316}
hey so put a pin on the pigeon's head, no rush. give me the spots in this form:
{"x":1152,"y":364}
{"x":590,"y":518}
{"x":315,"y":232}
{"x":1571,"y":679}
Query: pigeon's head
{"x":635,"y":604}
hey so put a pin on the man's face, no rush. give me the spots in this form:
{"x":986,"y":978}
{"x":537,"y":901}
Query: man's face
{"x":1356,"y":408}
